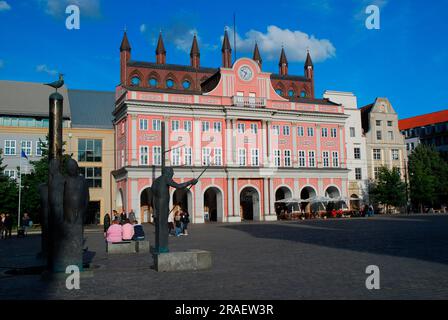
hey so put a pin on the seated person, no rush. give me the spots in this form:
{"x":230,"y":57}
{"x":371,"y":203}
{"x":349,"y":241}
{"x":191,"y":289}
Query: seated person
{"x":128,"y":230}
{"x":115,"y":232}
{"x":139,"y":233}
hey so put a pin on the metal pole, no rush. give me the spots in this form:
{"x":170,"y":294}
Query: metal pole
{"x":20,"y":192}
{"x":163,"y":145}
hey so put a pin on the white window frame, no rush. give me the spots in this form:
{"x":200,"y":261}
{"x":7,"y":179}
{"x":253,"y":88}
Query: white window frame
{"x":376,"y":155}
{"x":144,"y":155}
{"x":7,"y":172}
{"x":241,"y":127}
{"x":310,"y":131}
{"x":352,"y":132}
{"x":242,"y":157}
{"x":143,"y":124}
{"x":324,"y":132}
{"x":302,"y":158}
{"x":326,"y":159}
{"x":175,"y":157}
{"x":187,"y":126}
{"x":217,"y":152}
{"x":187,"y":156}
{"x":287,"y":158}
{"x":276,"y":130}
{"x":286,"y":130}
{"x":254,"y":157}
{"x":205,"y":126}
{"x":311,"y":159}
{"x":156,"y":124}
{"x":254,"y":128}
{"x":157,"y":155}
{"x":335,"y":159}
{"x":28,"y":148}
{"x":357,"y":155}
{"x":175,"y":125}
{"x":300,"y":131}
{"x":206,"y":156}
{"x":395,"y":154}
{"x":333,"y":132}
{"x":10,"y":148}
{"x":358,"y":174}
{"x":217,"y":127}
{"x":277,"y":158}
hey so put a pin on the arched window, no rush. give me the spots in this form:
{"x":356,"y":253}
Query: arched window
{"x":279,"y":92}
{"x":186,"y":84}
{"x":291,"y":93}
{"x":153,"y":82}
{"x":135,"y":81}
{"x":170,"y":83}
{"x":303,"y":94}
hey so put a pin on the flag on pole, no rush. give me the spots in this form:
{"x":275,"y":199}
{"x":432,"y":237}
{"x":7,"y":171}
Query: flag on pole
{"x":24,"y":155}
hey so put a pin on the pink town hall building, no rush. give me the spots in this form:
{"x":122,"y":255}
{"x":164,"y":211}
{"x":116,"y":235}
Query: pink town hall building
{"x":264,"y":137}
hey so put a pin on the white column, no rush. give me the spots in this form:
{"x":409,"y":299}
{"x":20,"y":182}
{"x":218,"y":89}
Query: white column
{"x":135,"y":196}
{"x":318,"y":134}
{"x":342,"y":147}
{"x":234,"y":150}
{"x":198,"y":203}
{"x":236,"y":203}
{"x":134,"y":147}
{"x":294,"y":145}
{"x":229,"y":198}
{"x":264,"y":144}
{"x":266,"y":196}
{"x":296,"y":191}
{"x":229,"y":142}
{"x":271,"y":197}
{"x":167,"y":141}
{"x":269,"y":144}
{"x":197,"y":142}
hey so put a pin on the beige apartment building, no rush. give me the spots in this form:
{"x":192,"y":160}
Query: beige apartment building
{"x":385,"y":145}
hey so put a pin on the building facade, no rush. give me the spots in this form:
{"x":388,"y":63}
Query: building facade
{"x":356,"y":147}
{"x":263,"y":137}
{"x":87,"y":132}
{"x":385,"y":144}
{"x":429,"y":129}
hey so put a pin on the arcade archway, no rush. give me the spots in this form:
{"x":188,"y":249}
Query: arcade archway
{"x":281,"y":194}
{"x":213,"y":205}
{"x":146,"y":206}
{"x":307,"y":193}
{"x":250,"y":204}
{"x":183,"y":198}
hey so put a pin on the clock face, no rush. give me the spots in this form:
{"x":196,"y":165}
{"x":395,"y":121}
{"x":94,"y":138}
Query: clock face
{"x":245,"y":73}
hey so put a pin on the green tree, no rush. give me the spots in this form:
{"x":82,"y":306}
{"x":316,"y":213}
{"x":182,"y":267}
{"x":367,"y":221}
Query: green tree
{"x":428,"y":177}
{"x":388,"y":190}
{"x":9,"y":192}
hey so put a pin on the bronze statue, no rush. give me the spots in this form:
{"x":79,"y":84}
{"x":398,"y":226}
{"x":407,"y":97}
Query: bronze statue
{"x":161,"y":198}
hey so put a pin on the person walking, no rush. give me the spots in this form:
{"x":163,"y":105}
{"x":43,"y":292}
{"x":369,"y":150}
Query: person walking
{"x":106,"y":222}
{"x":8,"y":226}
{"x":2,"y":225}
{"x":131,"y":216}
{"x":26,"y":223}
{"x":185,"y":219}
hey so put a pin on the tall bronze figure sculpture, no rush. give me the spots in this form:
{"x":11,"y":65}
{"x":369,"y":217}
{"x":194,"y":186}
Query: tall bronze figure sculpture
{"x":66,"y":198}
{"x":161,"y":199}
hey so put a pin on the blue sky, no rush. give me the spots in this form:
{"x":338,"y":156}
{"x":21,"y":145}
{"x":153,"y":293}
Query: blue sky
{"x":406,"y":60}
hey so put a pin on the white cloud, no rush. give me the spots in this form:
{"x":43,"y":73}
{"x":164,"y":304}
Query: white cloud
{"x":295,"y":42}
{"x":2,"y":63}
{"x":143,"y":28}
{"x":44,"y":68}
{"x":4,"y":6}
{"x":56,"y":8}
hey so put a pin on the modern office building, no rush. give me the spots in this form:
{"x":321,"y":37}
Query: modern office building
{"x":87,"y":132}
{"x":429,"y":129}
{"x":262,"y":136}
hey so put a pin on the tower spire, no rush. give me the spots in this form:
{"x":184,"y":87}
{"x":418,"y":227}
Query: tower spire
{"x":283,"y":63}
{"x":125,"y":56}
{"x":194,"y":53}
{"x":257,"y":56}
{"x":160,"y":50}
{"x":125,"y":46}
{"x":226,"y":51}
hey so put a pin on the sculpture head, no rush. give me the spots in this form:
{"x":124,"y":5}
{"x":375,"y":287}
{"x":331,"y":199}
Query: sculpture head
{"x":72,"y":168}
{"x":168,"y":172}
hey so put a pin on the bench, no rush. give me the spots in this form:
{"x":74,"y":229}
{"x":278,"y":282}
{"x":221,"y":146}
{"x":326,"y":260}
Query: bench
{"x":126,"y":247}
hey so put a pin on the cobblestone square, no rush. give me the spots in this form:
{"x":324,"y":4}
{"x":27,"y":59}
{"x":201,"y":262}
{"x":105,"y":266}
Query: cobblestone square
{"x":317,"y":259}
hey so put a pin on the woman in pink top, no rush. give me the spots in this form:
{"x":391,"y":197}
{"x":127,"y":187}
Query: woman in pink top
{"x":128,"y":230}
{"x":115,"y":232}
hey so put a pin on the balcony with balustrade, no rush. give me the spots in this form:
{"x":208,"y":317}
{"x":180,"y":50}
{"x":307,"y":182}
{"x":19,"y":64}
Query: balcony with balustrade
{"x":250,"y":102}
